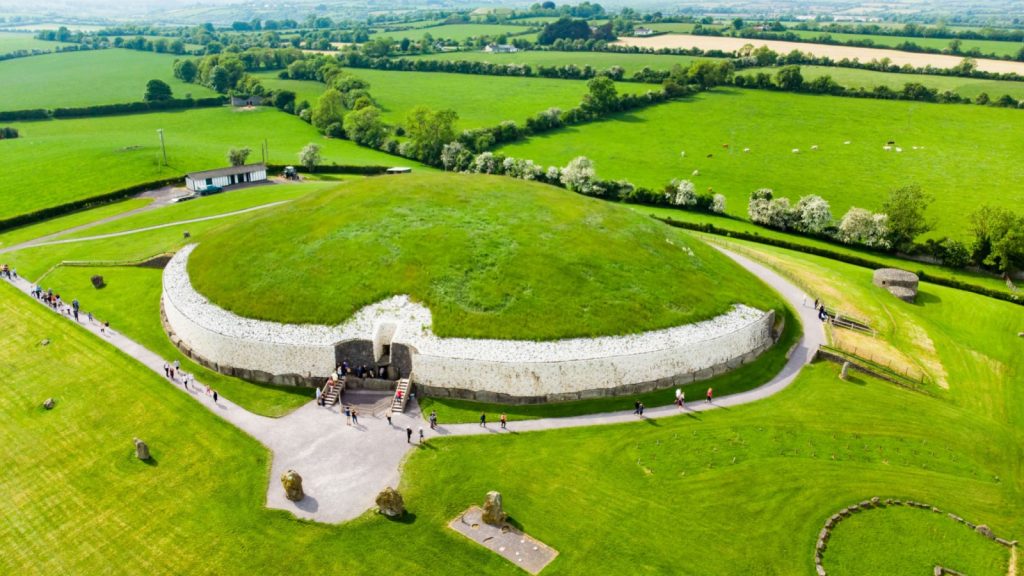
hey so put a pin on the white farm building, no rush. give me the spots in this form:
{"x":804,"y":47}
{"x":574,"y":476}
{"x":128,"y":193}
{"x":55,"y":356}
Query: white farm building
{"x":223,"y":177}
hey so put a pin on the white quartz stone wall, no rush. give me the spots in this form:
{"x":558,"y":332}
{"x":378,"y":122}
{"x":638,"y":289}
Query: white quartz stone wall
{"x":512,"y":367}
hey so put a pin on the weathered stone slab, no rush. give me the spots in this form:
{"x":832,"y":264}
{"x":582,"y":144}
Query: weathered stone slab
{"x":521,"y":549}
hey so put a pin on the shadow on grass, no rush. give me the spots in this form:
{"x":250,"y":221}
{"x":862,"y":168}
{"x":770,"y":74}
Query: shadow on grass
{"x":925,"y":298}
{"x":650,"y":421}
{"x":407,"y":518}
{"x":426,"y":445}
{"x":152,"y":462}
{"x":855,"y":379}
{"x":515,"y":523}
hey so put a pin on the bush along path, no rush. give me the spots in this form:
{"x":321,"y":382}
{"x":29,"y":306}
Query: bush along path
{"x":344,"y":465}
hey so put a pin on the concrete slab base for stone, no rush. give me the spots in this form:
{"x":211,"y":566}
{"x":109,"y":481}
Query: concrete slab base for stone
{"x":521,"y":549}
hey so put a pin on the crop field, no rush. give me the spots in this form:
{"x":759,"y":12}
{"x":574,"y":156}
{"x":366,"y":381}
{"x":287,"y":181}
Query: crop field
{"x":857,"y":78}
{"x":481,"y":101}
{"x":99,"y":155}
{"x":457,"y":32}
{"x":987,"y":47}
{"x":631,"y":63}
{"x":767,"y":473}
{"x":111,"y":76}
{"x":672,"y":27}
{"x":11,"y":41}
{"x":959,"y":148}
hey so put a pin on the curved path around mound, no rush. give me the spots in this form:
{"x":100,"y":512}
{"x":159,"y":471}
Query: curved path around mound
{"x":344,"y":467}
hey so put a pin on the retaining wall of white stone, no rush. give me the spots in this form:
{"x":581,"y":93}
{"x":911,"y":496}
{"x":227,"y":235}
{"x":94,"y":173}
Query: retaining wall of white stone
{"x":471,"y":368}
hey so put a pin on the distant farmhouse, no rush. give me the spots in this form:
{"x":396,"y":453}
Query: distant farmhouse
{"x":641,"y":31}
{"x":500,"y":48}
{"x":223,"y":177}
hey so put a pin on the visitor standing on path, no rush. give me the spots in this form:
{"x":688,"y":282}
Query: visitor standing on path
{"x":636,"y":407}
{"x":355,"y":417}
{"x":483,"y":419}
{"x":348,"y":416}
{"x":319,"y":402}
{"x":422,"y":440}
{"x":641,"y":409}
{"x":215,"y":396}
{"x":504,"y":420}
{"x":387,"y":414}
{"x":408,"y":435}
{"x":167,"y":370}
{"x":433,"y":419}
{"x":709,"y":395}
{"x":682,"y":400}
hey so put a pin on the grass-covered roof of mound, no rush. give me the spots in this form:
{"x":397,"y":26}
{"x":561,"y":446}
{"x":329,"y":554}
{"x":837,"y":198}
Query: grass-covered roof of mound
{"x":491,"y":257}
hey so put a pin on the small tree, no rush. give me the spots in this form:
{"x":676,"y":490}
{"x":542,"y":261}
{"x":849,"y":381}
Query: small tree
{"x":450,"y":155}
{"x":365,"y":127}
{"x":860,"y":226}
{"x":310,"y":156}
{"x":815,"y":215}
{"x":682,"y":193}
{"x":157,"y":91}
{"x":238,"y":156}
{"x":789,"y":78}
{"x":602,"y":95}
{"x":485,"y":163}
{"x":329,"y":109}
{"x":578,"y":175}
{"x":718,"y":204}
{"x":905,"y":209}
{"x":759,"y":204}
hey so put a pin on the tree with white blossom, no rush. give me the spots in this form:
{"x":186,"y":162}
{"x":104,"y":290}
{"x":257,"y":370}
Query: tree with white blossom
{"x":718,"y":204}
{"x":682,"y":193}
{"x":578,"y":175}
{"x":815,"y":215}
{"x":860,"y":226}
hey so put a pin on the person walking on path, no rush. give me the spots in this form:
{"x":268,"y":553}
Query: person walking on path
{"x":348,"y":416}
{"x":682,"y":400}
{"x":167,"y":370}
{"x":636,"y":407}
{"x":709,"y":396}
{"x":641,"y":409}
{"x":215,"y":396}
{"x":422,"y":440}
{"x":679,"y":394}
{"x":387,"y":414}
{"x":483,"y":419}
{"x":504,"y":420}
{"x":408,"y":435}
{"x":355,"y":417}
{"x":433,"y":419}
{"x":319,"y":402}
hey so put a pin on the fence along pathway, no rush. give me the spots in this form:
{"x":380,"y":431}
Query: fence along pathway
{"x":344,"y":466}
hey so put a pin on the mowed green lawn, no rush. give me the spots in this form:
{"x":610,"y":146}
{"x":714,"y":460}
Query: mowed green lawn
{"x":13,"y":41}
{"x":481,"y":101}
{"x":59,"y":161}
{"x":857,"y":78}
{"x":631,"y":63}
{"x":490,"y":256}
{"x":766,"y":475}
{"x":90,"y":78}
{"x":987,"y":47}
{"x":969,"y":155}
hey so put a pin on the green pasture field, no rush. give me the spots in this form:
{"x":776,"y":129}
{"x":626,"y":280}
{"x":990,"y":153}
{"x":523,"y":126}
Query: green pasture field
{"x":89,"y":78}
{"x":766,"y":474}
{"x":94,"y":156}
{"x":18,"y":235}
{"x":481,"y":101}
{"x":11,"y":41}
{"x":457,"y":32}
{"x":987,"y":47}
{"x":966,"y":148}
{"x":491,"y":257}
{"x":857,"y":78}
{"x":308,"y":90}
{"x":631,"y":63}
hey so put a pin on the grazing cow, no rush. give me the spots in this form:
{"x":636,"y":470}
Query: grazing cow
{"x":711,"y":155}
{"x":726,"y":146}
{"x":898,"y":149}
{"x":886,"y":147}
{"x":891,"y":142}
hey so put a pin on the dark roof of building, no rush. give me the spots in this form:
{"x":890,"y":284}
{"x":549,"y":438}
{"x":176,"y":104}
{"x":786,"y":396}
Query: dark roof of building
{"x":244,"y":169}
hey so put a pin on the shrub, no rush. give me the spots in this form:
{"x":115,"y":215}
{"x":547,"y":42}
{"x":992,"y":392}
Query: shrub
{"x":718,"y":204}
{"x":578,"y":175}
{"x":815,"y":215}
{"x":860,"y":226}
{"x":681,"y":193}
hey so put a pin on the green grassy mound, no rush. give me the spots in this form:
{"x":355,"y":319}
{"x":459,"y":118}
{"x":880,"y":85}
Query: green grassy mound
{"x":491,"y":257}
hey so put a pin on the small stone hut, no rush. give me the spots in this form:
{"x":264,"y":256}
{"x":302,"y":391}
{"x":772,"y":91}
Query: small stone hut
{"x":899,"y":283}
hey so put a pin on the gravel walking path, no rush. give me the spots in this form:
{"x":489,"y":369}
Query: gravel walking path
{"x":344,"y":466}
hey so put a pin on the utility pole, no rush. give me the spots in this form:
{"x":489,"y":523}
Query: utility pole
{"x":163,"y":148}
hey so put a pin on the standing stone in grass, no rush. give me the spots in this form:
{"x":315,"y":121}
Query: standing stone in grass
{"x":97,"y":281}
{"x":984,"y":531}
{"x":141,"y":450}
{"x":48,"y":404}
{"x":844,"y":371}
{"x":494,"y":514}
{"x":390,"y":503}
{"x":292,"y":483}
